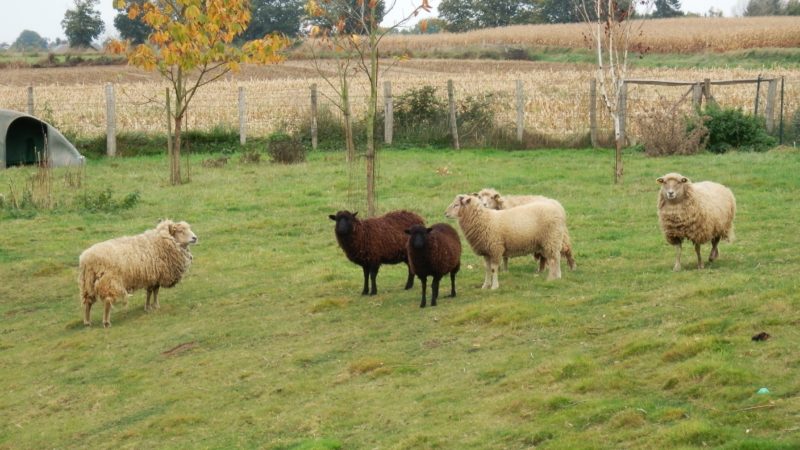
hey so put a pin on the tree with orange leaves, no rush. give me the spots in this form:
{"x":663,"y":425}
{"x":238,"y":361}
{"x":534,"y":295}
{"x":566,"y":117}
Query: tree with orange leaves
{"x":191,"y":45}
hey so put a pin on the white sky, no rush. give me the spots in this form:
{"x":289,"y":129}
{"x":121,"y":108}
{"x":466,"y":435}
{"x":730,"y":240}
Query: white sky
{"x":45,"y":16}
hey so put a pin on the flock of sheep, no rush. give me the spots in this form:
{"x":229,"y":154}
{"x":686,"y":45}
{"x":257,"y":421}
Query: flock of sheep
{"x":495,"y":226}
{"x":498,"y":227}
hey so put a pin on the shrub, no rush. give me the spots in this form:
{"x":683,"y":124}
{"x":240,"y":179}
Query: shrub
{"x":666,"y":131}
{"x":476,"y":119}
{"x":285,"y":149}
{"x":731,"y":128}
{"x":420,"y":117}
{"x":794,"y":126}
{"x":103,"y":201}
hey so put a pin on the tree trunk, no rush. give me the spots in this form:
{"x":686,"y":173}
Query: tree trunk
{"x":372,"y":107}
{"x":175,"y":160}
{"x":348,"y":120}
{"x":618,"y":138}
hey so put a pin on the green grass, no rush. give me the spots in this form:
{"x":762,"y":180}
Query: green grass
{"x":267,"y":343}
{"x":748,"y":59}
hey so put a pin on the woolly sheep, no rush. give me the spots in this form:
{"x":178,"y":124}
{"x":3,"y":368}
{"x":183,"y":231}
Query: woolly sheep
{"x":112,"y":269}
{"x":493,"y":200}
{"x":434,"y":251}
{"x":375,"y":241}
{"x":700,"y":212}
{"x":531,"y":228}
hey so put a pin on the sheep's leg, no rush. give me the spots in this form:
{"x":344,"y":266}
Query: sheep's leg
{"x":424,"y":281}
{"x":699,"y":258}
{"x":494,"y":267}
{"x":87,"y":310}
{"x":542,"y":261}
{"x":677,"y":266}
{"x":714,"y":252}
{"x":365,"y":291}
{"x":373,"y":275}
{"x":453,"y":280}
{"x":410,"y":280}
{"x":107,"y":313}
{"x":156,"y":305}
{"x":435,"y":289}
{"x":487,"y":273}
{"x":505,"y":263}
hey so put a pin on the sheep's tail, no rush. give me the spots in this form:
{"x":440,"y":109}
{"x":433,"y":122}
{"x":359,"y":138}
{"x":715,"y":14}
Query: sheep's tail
{"x":87,"y":278}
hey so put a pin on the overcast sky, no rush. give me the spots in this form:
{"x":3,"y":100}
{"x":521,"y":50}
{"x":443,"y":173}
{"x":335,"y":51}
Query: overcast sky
{"x":45,"y":16}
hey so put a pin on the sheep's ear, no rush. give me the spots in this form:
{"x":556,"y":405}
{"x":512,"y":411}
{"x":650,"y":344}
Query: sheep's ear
{"x":428,"y":229}
{"x":408,"y":231}
{"x":684,"y":180}
{"x":173,"y":228}
{"x":332,"y":217}
{"x":496,"y":196}
{"x":660,"y":180}
{"x":355,"y":214}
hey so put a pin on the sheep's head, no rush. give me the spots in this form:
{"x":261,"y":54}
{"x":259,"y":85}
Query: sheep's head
{"x":182,"y":233}
{"x":418,"y":236}
{"x":452,"y":209}
{"x":490,"y":198}
{"x":673,"y":186}
{"x":344,"y":222}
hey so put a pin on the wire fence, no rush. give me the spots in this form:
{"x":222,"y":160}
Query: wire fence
{"x":551,"y":105}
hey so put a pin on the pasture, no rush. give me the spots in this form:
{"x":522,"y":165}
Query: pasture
{"x":267,"y":343}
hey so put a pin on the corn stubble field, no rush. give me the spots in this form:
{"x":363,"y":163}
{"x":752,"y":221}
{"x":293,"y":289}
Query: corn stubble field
{"x":268,"y":343}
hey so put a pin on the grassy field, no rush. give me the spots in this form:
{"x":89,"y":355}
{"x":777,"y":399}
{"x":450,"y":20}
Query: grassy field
{"x":267,"y":343}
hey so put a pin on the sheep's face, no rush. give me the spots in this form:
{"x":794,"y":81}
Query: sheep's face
{"x":418,"y":236}
{"x":673,"y":186}
{"x":452,"y":210}
{"x":344,"y":222}
{"x":182,"y":234}
{"x":490,"y":198}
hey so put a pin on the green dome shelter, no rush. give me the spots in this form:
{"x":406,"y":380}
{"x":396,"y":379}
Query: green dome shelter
{"x":23,"y":137}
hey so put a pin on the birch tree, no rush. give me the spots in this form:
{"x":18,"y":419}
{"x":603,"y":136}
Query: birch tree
{"x":610,"y":31}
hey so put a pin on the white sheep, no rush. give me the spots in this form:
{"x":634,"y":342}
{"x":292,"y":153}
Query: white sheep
{"x":493,"y":200}
{"x":112,"y":269}
{"x":700,"y":212}
{"x":531,"y":228}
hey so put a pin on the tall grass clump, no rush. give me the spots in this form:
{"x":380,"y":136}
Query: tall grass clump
{"x":285,"y":149}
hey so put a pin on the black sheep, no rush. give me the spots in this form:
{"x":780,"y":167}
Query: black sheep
{"x":434,"y":251}
{"x":372,"y":242}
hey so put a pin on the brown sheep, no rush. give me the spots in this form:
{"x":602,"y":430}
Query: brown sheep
{"x":434,"y":251}
{"x":375,"y":241}
{"x":112,"y":269}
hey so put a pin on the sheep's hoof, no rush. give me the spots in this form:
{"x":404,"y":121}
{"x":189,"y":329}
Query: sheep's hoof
{"x":87,"y":324}
{"x":106,"y":324}
{"x":676,"y":268}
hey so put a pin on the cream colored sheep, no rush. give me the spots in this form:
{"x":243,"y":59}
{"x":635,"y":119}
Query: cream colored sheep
{"x":700,"y":212}
{"x":112,"y":269}
{"x":493,"y":200}
{"x":531,"y":228}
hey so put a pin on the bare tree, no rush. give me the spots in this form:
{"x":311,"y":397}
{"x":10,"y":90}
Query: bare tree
{"x":610,"y":30}
{"x":365,"y":45}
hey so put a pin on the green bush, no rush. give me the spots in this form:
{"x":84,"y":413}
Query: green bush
{"x":285,"y":149}
{"x":731,"y":128}
{"x":104,"y":201}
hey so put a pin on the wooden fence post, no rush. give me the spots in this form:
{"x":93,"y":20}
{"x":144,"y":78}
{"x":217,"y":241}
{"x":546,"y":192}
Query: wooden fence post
{"x":314,"y":116}
{"x":242,"y":116}
{"x":707,"y":92}
{"x":30,"y":100}
{"x":111,"y":121}
{"x":388,"y":110}
{"x":623,"y":113}
{"x":593,"y":111}
{"x":769,"y":111}
{"x":697,"y":95}
{"x":520,"y":111}
{"x":451,"y":98}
